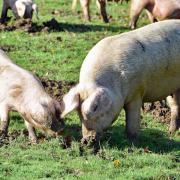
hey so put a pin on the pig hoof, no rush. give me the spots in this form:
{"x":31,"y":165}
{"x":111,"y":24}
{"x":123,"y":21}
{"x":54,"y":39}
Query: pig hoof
{"x":91,"y":142}
{"x":172,"y":131}
{"x":33,"y":141}
{"x":2,"y":21}
{"x":106,"y":20}
{"x":132,"y":136}
{"x":173,"y":128}
{"x":131,"y":26}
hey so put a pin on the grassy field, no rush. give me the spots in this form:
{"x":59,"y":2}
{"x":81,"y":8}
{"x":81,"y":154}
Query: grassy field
{"x":57,"y":54}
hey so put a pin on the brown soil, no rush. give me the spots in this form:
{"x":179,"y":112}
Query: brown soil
{"x":159,"y":110}
{"x":30,"y":27}
{"x":57,"y":88}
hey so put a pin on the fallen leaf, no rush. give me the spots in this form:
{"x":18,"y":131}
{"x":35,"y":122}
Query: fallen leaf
{"x":117,"y":163}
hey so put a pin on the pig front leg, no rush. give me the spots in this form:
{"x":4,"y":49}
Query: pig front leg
{"x":174,"y":103}
{"x":85,"y":7}
{"x":31,"y":131}
{"x":4,"y":114}
{"x":4,"y":12}
{"x":135,"y":11}
{"x":74,"y":4}
{"x":133,"y":116}
{"x":101,"y":4}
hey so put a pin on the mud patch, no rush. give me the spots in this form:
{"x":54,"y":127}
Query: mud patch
{"x":159,"y":110}
{"x":57,"y":88}
{"x":6,"y":140}
{"x":31,"y":27}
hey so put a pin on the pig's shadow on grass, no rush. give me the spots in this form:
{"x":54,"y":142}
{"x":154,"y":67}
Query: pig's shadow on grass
{"x":155,"y":140}
{"x":56,"y":26}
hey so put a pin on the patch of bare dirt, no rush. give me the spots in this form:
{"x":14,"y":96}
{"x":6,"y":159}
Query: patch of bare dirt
{"x":57,"y":88}
{"x":30,"y":27}
{"x":159,"y":110}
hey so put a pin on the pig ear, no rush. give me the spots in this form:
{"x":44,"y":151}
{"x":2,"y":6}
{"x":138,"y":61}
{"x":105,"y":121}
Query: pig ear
{"x":71,"y":101}
{"x":98,"y":103}
{"x":20,"y":8}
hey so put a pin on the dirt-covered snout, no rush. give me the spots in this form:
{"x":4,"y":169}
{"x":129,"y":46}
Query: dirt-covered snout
{"x":95,"y":108}
{"x":52,"y":117}
{"x":47,"y":117}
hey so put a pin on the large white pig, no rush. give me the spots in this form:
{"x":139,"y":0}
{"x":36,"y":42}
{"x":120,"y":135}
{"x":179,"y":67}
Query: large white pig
{"x":123,"y":71}
{"x":157,"y":10}
{"x":20,"y":9}
{"x":21,"y":91}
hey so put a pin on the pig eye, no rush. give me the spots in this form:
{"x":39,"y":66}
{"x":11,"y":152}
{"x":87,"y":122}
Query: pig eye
{"x":95,"y":107}
{"x":44,"y":105}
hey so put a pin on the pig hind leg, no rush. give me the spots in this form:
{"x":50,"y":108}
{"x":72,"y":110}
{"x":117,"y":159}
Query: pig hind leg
{"x":133,"y":116}
{"x":4,"y":114}
{"x":74,"y":4}
{"x":174,"y":103}
{"x":85,"y":7}
{"x":101,"y":4}
{"x":135,"y":11}
{"x":4,"y":13}
{"x":31,"y":131}
{"x":151,"y":17}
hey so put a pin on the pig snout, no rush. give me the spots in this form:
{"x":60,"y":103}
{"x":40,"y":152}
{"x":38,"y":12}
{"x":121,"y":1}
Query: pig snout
{"x":89,"y":134}
{"x":57,"y":126}
{"x":91,"y":139}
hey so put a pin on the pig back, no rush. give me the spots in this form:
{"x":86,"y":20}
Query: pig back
{"x":141,"y":59}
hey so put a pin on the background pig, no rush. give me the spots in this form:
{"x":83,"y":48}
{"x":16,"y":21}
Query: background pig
{"x":22,"y":91}
{"x":101,"y":4}
{"x":123,"y":71}
{"x":157,"y":10}
{"x":20,"y":9}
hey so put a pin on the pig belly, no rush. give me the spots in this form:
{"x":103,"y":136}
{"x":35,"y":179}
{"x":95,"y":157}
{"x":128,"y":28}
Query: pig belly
{"x":160,"y":89}
{"x":166,"y":10}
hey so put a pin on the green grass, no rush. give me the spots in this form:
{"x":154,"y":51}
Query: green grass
{"x":58,"y":55}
